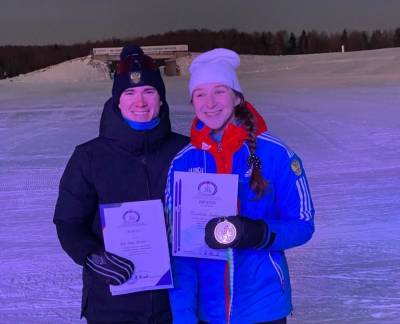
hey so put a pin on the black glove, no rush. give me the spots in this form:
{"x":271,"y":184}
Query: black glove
{"x":237,"y":232}
{"x":111,"y":268}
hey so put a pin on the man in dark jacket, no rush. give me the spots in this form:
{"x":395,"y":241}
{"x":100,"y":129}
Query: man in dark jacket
{"x":129,"y":161}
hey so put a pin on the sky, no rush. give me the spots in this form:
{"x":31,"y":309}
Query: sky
{"x":31,"y":22}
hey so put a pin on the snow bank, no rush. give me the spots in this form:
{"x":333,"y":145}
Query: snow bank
{"x":76,"y":70}
{"x":377,"y":63}
{"x":383,"y":62}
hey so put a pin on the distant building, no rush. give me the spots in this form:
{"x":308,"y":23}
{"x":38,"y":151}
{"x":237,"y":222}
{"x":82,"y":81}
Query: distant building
{"x":165,"y":55}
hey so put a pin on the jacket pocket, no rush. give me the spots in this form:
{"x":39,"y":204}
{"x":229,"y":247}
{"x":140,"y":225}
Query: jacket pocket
{"x":278,"y":271}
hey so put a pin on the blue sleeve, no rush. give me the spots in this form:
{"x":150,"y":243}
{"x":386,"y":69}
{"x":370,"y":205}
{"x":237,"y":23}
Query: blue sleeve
{"x":295,"y":224}
{"x":183,"y":297}
{"x":169,"y":201}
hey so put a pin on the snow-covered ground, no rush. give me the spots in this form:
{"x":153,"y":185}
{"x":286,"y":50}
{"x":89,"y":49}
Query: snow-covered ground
{"x":339,"y":112}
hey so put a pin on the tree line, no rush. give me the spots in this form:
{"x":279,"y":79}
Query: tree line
{"x":15,"y":60}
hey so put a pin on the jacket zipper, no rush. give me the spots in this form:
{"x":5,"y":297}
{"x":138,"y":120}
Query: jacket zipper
{"x":221,"y":157}
{"x":278,"y":271}
{"x":146,"y":172}
{"x":229,"y":251}
{"x":148,"y":188}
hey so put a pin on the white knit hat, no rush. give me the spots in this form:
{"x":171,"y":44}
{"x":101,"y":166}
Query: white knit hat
{"x":217,"y":65}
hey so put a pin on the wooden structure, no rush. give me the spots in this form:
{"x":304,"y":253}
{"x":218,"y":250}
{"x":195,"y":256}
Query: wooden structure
{"x":165,"y":53}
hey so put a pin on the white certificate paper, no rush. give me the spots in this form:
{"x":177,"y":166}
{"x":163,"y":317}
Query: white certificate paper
{"x":198,"y":197}
{"x":136,"y":231}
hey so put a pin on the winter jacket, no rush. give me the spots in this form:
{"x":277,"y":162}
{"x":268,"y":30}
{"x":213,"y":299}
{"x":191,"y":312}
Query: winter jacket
{"x":253,"y":285}
{"x":120,"y":165}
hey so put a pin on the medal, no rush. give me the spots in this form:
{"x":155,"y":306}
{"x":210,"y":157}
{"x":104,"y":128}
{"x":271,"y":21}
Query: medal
{"x":225,"y":232}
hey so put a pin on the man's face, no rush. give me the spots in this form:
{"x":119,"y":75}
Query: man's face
{"x":140,"y":104}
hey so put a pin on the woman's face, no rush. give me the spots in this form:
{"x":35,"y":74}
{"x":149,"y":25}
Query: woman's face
{"x":214,"y":104}
{"x":140,"y":104}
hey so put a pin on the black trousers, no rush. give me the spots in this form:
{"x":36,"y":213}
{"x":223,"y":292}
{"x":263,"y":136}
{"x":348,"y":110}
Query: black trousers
{"x":128,"y":322}
{"x":279,"y":321}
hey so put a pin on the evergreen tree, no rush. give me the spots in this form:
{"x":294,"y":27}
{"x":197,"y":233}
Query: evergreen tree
{"x":357,"y":41}
{"x":266,"y":39}
{"x":3,"y":72}
{"x":344,"y":39}
{"x":279,"y":43}
{"x":396,"y":38}
{"x":303,"y":43}
{"x":376,"y":39}
{"x":292,"y":46}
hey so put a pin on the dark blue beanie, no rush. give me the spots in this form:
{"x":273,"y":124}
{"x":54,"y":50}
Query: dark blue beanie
{"x":136,"y":69}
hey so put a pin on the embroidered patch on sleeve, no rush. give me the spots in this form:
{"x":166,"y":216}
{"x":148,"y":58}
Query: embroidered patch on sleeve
{"x":296,"y":167}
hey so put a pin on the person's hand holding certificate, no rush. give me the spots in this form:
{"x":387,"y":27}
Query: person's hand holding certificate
{"x":136,"y":231}
{"x":198,"y":197}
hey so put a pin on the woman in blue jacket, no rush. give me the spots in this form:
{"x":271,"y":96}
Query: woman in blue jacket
{"x":274,"y":203}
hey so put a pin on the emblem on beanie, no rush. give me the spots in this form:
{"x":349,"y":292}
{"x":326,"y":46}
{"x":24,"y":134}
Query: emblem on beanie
{"x":135,"y":77}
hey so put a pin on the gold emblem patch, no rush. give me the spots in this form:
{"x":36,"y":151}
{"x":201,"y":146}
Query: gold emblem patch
{"x":135,"y":77}
{"x":296,"y":167}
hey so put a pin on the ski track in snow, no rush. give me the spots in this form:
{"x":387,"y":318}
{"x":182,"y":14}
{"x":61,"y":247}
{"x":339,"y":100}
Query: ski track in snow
{"x":345,"y":128}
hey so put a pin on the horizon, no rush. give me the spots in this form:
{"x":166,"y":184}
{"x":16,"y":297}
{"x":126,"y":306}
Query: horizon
{"x":130,"y":38}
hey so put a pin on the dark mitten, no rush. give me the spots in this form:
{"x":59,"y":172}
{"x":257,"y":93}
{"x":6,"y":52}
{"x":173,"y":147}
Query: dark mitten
{"x":111,"y":268}
{"x":236,"y":232}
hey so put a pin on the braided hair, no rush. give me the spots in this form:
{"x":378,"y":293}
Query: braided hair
{"x":257,"y":183}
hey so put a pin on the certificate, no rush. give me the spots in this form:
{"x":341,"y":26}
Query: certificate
{"x":136,"y":231}
{"x":198,"y":197}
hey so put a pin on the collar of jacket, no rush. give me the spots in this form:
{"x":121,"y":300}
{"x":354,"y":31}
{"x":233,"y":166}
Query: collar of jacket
{"x":232,"y":139}
{"x":113,"y":126}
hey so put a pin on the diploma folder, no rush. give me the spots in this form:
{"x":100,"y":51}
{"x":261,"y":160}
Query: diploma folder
{"x":198,"y":197}
{"x":136,"y":231}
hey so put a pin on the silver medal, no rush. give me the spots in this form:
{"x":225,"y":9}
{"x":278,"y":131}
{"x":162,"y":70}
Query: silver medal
{"x":225,"y":232}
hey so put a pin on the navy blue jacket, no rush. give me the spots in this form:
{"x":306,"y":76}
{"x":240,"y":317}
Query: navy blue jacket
{"x":118,"y":166}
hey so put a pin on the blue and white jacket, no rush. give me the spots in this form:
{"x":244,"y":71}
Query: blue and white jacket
{"x":253,"y":285}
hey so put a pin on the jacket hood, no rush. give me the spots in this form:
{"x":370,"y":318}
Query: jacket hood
{"x":113,"y":126}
